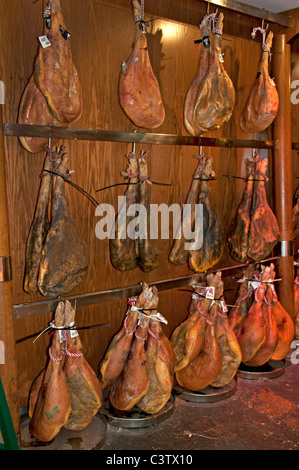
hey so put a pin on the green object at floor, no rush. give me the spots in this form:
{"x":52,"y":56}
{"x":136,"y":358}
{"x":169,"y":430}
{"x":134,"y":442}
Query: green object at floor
{"x":6,"y":424}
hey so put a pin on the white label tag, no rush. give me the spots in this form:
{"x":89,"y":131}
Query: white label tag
{"x":44,"y":41}
{"x":223,"y":305}
{"x":73,"y":331}
{"x":210,"y":294}
{"x":255,"y":284}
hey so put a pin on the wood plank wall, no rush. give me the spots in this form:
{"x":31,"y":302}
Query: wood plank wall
{"x":102,"y":34}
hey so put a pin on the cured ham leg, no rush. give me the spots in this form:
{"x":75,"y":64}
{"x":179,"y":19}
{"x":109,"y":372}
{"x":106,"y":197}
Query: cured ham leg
{"x":123,"y":248}
{"x":53,"y":405}
{"x":83,"y":384}
{"x":263,"y":230}
{"x":295,"y":215}
{"x":208,"y":364}
{"x":285,"y":328}
{"x":139,"y":89}
{"x":238,"y":233}
{"x":237,"y":313}
{"x":133,"y":382}
{"x":215,"y":99}
{"x":179,"y":255}
{"x":263,"y":101}
{"x":210,"y":252}
{"x":296,"y":294}
{"x":34,"y":110}
{"x":148,"y":253}
{"x":38,"y":232}
{"x":160,"y":359}
{"x":203,"y":67}
{"x":230,"y":350}
{"x":269,"y":345}
{"x":55,"y":73}
{"x":63,"y":260}
{"x":252,"y":330}
{"x":117,"y":353}
{"x":187,"y":338}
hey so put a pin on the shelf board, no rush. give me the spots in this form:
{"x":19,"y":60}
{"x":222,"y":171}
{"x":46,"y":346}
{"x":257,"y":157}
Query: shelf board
{"x":27,"y":130}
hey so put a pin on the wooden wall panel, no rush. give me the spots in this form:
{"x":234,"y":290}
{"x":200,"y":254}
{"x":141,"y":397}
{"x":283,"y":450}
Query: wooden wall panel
{"x":102,"y":35}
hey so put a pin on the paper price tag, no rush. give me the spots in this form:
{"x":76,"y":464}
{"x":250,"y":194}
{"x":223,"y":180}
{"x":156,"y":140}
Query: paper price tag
{"x":73,"y":331}
{"x":210,"y":294}
{"x":44,"y":41}
{"x":223,"y":305}
{"x":255,"y":284}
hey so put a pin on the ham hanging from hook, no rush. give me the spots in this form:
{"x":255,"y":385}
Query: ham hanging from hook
{"x":139,"y":90}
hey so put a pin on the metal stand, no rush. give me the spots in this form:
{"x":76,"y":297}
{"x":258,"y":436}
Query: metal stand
{"x":270,"y":370}
{"x":209,"y":394}
{"x":134,"y":418}
{"x":66,"y":439}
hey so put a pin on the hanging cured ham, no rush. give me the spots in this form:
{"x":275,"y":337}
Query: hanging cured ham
{"x":238,"y":233}
{"x":263,"y":230}
{"x":139,"y":89}
{"x":210,"y":253}
{"x":187,"y":338}
{"x":63,"y":259}
{"x":208,"y":364}
{"x":148,"y":253}
{"x":83,"y":384}
{"x":124,"y":248}
{"x":133,"y":383}
{"x":268,"y":347}
{"x":244,"y":300}
{"x":55,"y":73}
{"x":160,"y":359}
{"x":38,"y":232}
{"x":263,"y":101}
{"x":215,"y":99}
{"x":52,"y":405}
{"x":252,"y":330}
{"x":34,"y":110}
{"x":179,"y":254}
{"x":230,"y":349}
{"x":295,"y":215}
{"x":119,"y":348}
{"x":190,"y":100}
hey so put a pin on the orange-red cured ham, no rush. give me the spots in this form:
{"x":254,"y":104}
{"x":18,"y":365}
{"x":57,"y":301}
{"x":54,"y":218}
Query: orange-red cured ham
{"x":55,"y":73}
{"x":285,"y":328}
{"x":139,"y":90}
{"x":244,"y":300}
{"x":52,"y":402}
{"x":83,"y":384}
{"x":189,"y":122}
{"x":215,"y":99}
{"x":263,"y":101}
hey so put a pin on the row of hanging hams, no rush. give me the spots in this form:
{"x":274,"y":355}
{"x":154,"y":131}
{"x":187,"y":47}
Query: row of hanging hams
{"x":137,"y":367}
{"x":56,"y":257}
{"x":66,"y":393}
{"x":53,"y":94}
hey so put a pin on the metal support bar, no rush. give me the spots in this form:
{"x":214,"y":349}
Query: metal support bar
{"x":92,"y":298}
{"x":253,"y":11}
{"x":27,"y":130}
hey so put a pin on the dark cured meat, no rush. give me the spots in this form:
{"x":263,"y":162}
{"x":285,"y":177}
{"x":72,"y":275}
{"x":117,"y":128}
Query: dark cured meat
{"x":179,"y":255}
{"x":210,"y":252}
{"x":139,"y":89}
{"x":148,"y":254}
{"x":124,"y":249}
{"x":238,"y":233}
{"x":64,"y":259}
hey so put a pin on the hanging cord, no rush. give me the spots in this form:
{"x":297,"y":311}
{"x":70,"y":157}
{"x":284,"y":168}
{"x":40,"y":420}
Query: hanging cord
{"x":263,"y":33}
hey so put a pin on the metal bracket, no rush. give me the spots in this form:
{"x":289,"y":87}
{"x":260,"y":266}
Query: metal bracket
{"x":286,"y":248}
{"x":5,"y":269}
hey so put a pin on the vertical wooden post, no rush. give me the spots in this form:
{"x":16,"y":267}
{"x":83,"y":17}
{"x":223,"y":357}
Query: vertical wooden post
{"x":8,"y":366}
{"x":282,"y":171}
